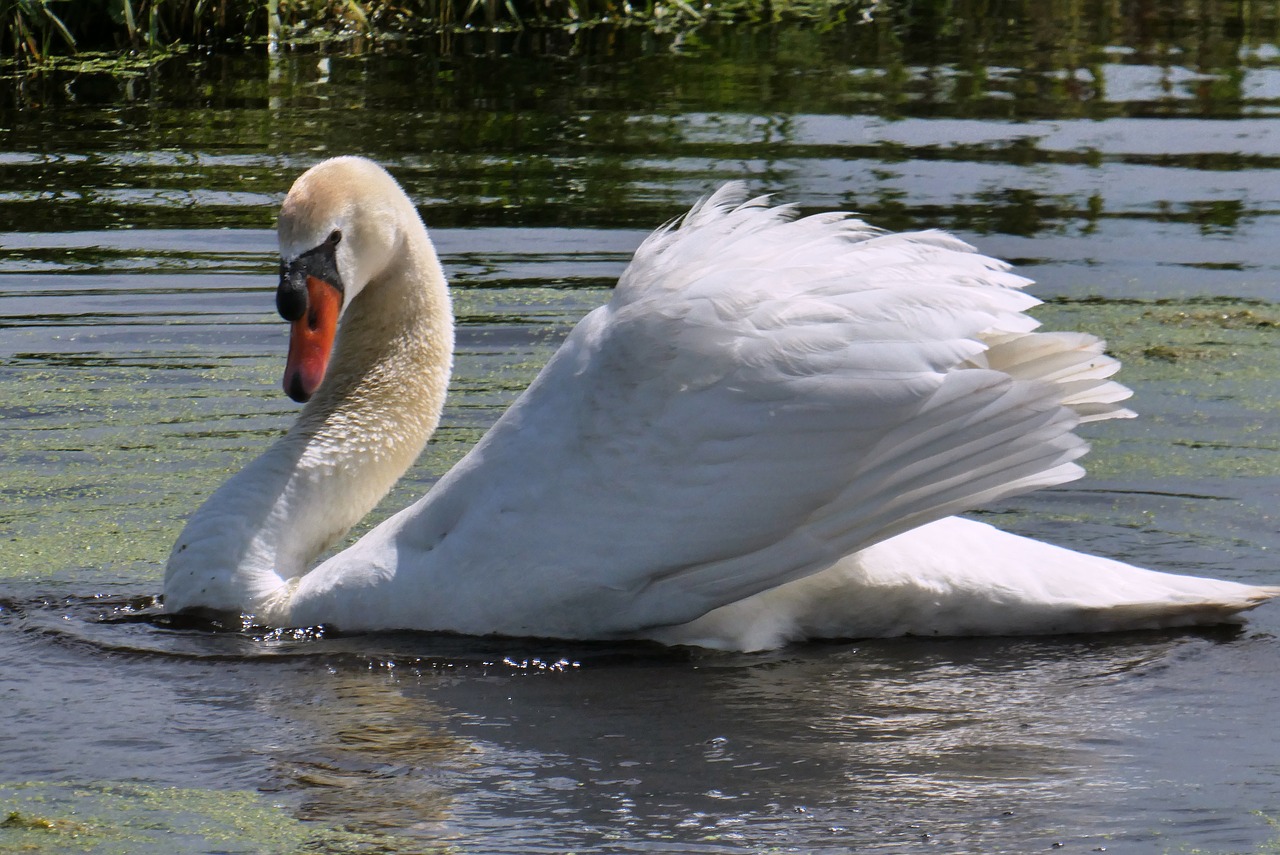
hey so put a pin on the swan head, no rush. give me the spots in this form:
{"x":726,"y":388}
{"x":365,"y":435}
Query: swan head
{"x":340,"y":226}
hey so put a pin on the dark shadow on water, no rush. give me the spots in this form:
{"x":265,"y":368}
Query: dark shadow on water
{"x":139,"y":626}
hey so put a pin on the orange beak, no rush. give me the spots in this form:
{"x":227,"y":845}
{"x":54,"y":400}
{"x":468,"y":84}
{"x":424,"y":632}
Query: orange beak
{"x":311,"y":340}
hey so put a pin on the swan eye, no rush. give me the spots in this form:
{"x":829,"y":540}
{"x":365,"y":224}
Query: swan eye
{"x":334,"y":237}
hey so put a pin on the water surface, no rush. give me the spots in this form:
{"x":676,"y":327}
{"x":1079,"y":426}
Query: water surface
{"x":1127,"y":161}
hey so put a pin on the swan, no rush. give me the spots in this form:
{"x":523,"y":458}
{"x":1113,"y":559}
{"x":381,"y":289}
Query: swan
{"x":763,"y":437}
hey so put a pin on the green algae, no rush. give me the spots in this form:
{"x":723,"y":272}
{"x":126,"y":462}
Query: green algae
{"x":101,"y":460}
{"x":105,"y":818}
{"x":1235,"y":333}
{"x":100,"y":464}
{"x":1204,"y":374}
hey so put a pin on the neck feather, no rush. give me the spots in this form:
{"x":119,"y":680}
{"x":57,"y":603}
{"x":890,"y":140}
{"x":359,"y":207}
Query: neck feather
{"x":366,"y":425}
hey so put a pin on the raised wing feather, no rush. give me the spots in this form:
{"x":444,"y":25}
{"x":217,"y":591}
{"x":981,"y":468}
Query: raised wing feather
{"x":762,"y":396}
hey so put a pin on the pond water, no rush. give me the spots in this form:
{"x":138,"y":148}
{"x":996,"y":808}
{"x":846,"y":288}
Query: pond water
{"x":1126,"y":157}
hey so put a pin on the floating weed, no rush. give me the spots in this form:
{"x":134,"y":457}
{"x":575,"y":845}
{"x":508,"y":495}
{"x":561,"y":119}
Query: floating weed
{"x":109,"y":818}
{"x":121,"y":451}
{"x":121,"y":65}
{"x":1272,"y":846}
{"x":156,"y":29}
{"x":18,"y":819}
{"x":1253,"y":317}
{"x":1204,"y":373}
{"x":1156,"y":339}
{"x":1172,"y":354}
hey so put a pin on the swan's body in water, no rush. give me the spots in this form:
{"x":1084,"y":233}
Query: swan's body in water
{"x":760,"y":439}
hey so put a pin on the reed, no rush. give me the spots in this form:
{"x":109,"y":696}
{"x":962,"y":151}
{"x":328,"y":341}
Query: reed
{"x":38,"y":31}
{"x":33,"y":29}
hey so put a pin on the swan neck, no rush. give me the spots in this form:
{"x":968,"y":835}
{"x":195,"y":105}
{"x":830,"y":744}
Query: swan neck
{"x":383,"y":400}
{"x":365,"y":426}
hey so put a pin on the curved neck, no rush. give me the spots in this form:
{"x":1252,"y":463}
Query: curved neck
{"x":366,"y":425}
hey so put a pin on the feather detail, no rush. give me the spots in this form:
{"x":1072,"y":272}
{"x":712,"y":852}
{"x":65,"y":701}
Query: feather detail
{"x":763,"y":395}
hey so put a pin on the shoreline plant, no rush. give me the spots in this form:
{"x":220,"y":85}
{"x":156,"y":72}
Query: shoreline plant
{"x":40,"y":32}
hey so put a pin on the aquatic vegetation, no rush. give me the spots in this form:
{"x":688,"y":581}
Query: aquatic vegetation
{"x":1198,"y":354}
{"x":40,"y":31}
{"x":39,"y":34}
{"x":33,"y":28}
{"x":134,"y":818}
{"x":117,"y":64}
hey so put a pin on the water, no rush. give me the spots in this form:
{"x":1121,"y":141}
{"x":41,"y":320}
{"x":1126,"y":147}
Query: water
{"x":1128,"y":162}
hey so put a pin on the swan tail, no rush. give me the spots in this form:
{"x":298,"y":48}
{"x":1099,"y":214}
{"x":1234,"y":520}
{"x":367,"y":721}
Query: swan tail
{"x":1221,"y":606}
{"x":958,"y":577}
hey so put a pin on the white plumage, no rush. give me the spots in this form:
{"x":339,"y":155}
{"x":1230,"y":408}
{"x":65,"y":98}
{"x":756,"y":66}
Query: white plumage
{"x":759,"y":439}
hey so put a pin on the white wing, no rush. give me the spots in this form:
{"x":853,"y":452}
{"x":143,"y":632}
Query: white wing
{"x":762,"y":396}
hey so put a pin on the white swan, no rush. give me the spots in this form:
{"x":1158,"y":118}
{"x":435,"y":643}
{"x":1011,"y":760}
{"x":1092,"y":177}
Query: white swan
{"x":759,"y":439}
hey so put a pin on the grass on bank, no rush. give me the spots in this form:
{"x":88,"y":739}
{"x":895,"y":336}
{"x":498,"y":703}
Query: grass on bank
{"x":35,"y":31}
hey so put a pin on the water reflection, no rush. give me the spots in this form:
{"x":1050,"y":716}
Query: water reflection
{"x":571,"y":128}
{"x":367,"y":758}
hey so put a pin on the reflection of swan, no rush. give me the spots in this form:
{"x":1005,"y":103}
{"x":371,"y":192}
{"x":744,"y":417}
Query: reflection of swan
{"x":700,"y":462}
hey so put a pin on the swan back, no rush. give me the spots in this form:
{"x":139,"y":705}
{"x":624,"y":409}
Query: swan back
{"x":762,"y":395}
